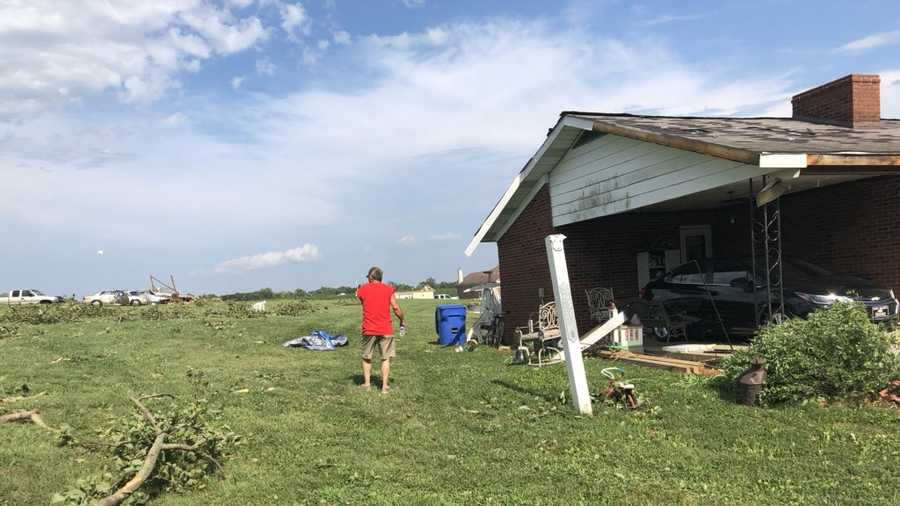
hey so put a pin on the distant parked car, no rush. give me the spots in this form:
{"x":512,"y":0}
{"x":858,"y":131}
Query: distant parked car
{"x":692,"y":288}
{"x":114,"y":297}
{"x":140,"y":297}
{"x":442,"y":296}
{"x":27,"y":297}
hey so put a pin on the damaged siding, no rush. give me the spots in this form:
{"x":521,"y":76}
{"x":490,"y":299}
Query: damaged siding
{"x":613,"y":174}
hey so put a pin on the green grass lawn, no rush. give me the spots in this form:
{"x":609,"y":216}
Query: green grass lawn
{"x":458,"y":428}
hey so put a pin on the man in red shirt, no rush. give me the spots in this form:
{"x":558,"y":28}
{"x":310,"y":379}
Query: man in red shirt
{"x":377,"y":299}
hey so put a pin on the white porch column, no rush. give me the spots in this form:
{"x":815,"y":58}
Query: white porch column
{"x":565,"y":312}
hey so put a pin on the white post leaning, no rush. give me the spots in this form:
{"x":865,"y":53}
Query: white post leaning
{"x":565,"y":312}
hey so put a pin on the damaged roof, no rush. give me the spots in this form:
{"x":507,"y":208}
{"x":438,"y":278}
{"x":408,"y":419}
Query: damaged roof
{"x":770,"y":143}
{"x":751,"y":135}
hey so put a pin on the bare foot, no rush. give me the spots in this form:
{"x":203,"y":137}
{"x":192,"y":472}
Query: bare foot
{"x":366,"y":386}
{"x":385,"y":390}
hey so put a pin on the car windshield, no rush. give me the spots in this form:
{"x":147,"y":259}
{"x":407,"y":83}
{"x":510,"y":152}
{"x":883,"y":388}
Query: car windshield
{"x":36,"y":292}
{"x":805,"y":268}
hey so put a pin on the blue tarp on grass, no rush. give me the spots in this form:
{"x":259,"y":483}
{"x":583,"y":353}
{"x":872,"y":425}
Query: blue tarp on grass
{"x":317,"y":340}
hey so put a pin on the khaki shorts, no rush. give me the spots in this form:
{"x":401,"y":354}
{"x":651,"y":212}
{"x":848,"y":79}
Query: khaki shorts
{"x":385,"y":346}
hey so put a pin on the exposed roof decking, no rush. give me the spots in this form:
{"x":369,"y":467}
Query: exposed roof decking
{"x":756,"y":135}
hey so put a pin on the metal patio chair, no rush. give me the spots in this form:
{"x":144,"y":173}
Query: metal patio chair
{"x":601,"y":304}
{"x":664,"y":325}
{"x":544,"y":338}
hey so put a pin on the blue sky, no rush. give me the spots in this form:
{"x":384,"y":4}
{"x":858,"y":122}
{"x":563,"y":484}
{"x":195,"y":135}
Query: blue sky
{"x":241,"y":144}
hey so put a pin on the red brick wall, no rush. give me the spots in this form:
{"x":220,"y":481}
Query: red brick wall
{"x":848,"y":228}
{"x":523,"y":263}
{"x":848,"y":101}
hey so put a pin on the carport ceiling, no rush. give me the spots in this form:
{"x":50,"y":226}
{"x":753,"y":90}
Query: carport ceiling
{"x":729,"y":195}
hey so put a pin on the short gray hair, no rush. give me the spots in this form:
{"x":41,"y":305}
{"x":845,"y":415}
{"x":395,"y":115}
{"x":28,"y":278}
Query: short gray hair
{"x":376,"y":273}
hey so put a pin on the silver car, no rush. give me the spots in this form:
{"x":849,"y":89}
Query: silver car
{"x":113,"y":297}
{"x":139,"y":297}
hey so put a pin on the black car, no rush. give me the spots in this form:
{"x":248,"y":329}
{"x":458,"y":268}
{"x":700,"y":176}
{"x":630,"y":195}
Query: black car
{"x":699,"y":289}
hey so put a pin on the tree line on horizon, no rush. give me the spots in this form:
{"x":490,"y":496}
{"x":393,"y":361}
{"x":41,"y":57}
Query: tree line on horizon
{"x":334,"y":291}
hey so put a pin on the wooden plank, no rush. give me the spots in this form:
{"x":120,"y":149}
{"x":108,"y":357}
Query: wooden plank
{"x":679,"y":142}
{"x":678,"y":365}
{"x":597,"y":333}
{"x":853,"y":159}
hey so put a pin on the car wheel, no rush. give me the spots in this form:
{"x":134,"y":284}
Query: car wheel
{"x":44,"y":302}
{"x":135,"y":303}
{"x":96,"y":303}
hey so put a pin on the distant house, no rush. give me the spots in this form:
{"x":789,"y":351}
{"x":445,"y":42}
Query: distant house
{"x":464,"y":288}
{"x":426,"y":292}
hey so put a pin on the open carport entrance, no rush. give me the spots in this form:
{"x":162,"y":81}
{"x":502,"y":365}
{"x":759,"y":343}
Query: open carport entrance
{"x":789,"y":222}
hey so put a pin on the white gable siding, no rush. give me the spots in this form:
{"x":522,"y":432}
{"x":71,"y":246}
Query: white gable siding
{"x":613,"y":174}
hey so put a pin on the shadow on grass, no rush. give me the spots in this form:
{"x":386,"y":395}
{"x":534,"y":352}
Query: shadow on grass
{"x":526,"y":391}
{"x":726,"y":389}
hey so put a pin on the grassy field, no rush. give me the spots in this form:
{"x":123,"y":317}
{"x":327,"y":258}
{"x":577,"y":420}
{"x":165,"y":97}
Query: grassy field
{"x":458,"y":428}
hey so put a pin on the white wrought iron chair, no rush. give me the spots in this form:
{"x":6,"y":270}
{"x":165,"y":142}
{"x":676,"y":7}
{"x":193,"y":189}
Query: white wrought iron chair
{"x":544,"y":339}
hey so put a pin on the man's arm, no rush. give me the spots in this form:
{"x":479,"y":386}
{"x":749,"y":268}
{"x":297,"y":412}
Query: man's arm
{"x":396,"y":308}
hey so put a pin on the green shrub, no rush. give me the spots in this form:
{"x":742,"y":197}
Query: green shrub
{"x":835,"y":353}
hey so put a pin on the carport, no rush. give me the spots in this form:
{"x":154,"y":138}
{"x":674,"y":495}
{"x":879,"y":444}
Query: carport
{"x":636,"y":194}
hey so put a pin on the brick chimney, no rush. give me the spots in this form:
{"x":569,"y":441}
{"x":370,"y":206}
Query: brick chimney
{"x":850,"y":101}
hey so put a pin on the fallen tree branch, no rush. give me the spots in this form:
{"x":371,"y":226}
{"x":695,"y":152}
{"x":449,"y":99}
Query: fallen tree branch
{"x":147,"y":414}
{"x":17,"y":415}
{"x":33,"y":415}
{"x":195,"y":449}
{"x":145,"y":471}
{"x":21,"y":397}
{"x":154,"y":396}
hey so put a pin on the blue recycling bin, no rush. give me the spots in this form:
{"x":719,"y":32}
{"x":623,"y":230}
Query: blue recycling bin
{"x":450,"y":324}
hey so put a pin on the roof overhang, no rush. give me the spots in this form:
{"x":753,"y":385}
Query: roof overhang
{"x":530,"y":179}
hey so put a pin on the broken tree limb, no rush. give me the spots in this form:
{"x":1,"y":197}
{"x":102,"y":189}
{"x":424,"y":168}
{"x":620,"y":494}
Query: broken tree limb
{"x":33,"y":416}
{"x":147,"y":414}
{"x":155,"y":396}
{"x":17,"y":415}
{"x":193,"y":448}
{"x":143,"y":473}
{"x":22,"y":397}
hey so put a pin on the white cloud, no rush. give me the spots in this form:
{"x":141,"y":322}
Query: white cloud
{"x":301,"y":254}
{"x":236,"y":82}
{"x":269,"y":164}
{"x":413,"y":3}
{"x":323,"y":44}
{"x":310,"y":56}
{"x":407,"y":240}
{"x":872,"y":41}
{"x":293,"y":19}
{"x":133,"y":49}
{"x":240,"y":4}
{"x":342,"y":37}
{"x":447,"y":236}
{"x":665,"y":19}
{"x":264,"y":67}
{"x":176,"y":119}
{"x":890,"y":93}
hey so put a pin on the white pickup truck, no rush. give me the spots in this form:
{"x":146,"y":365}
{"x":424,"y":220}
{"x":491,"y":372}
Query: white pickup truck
{"x":27,"y":297}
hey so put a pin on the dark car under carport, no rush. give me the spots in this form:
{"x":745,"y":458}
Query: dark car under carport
{"x":704,"y":290}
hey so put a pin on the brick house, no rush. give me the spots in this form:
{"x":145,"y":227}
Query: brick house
{"x":619,"y":186}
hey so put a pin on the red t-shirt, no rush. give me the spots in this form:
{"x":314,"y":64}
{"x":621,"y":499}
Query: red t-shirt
{"x":376,"y":302}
